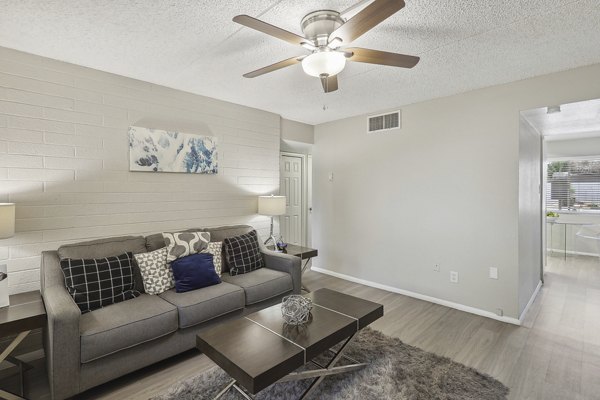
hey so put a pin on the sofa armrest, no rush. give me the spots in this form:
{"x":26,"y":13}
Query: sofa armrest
{"x":285,"y":263}
{"x":62,"y":342}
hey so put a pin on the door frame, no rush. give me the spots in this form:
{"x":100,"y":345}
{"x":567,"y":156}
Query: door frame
{"x":304,"y":188}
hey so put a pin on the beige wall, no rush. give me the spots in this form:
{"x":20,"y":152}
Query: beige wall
{"x":64,"y":159}
{"x":443,"y":190}
{"x":296,"y":137}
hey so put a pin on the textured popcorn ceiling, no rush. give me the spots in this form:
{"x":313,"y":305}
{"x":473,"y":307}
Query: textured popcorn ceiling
{"x":574,"y":121}
{"x":194,"y":46}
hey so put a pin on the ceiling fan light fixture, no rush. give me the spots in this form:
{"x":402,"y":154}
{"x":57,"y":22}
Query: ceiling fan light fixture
{"x":328,"y":63}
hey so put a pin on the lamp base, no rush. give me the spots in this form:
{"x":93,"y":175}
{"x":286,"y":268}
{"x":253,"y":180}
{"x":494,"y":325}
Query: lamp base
{"x":271,"y":238}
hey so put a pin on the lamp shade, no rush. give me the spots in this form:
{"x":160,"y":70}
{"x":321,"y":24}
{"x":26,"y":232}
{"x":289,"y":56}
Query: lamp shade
{"x":271,"y":205}
{"x":7,"y":220}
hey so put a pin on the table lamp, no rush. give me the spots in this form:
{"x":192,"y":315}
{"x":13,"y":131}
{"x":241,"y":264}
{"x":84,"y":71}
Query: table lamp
{"x":271,"y":206}
{"x":7,"y":229}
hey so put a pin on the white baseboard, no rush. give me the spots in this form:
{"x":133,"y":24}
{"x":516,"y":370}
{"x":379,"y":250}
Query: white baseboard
{"x":561,"y":252}
{"x":531,"y":300}
{"x":419,"y":296}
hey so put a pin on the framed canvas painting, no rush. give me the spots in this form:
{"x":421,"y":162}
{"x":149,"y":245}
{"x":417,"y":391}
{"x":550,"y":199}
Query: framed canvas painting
{"x":156,"y":150}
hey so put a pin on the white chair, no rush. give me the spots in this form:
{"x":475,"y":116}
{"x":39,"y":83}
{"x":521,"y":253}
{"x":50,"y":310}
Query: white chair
{"x":590,"y":232}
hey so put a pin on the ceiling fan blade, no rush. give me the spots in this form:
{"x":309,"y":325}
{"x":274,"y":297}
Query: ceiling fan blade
{"x":381,"y":57}
{"x":269,"y":29}
{"x":354,"y":9}
{"x":330,"y":83}
{"x":366,"y":19}
{"x":274,"y":67}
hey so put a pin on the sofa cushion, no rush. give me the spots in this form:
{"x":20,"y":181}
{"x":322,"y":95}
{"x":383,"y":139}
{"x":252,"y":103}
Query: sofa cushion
{"x":204,"y":304}
{"x":108,"y":247}
{"x":124,"y":325}
{"x":261,"y":284}
{"x":218,"y":234}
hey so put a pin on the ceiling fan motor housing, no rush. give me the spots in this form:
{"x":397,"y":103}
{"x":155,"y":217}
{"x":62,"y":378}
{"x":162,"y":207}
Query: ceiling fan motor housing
{"x":318,"y":25}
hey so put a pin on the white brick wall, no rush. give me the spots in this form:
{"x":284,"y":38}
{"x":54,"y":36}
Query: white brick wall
{"x":64,"y":159}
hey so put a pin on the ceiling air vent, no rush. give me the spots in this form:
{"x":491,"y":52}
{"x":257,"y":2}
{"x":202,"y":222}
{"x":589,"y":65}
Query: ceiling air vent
{"x":384,"y":122}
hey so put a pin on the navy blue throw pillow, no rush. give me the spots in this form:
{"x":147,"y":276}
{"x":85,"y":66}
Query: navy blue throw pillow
{"x":194,"y":272}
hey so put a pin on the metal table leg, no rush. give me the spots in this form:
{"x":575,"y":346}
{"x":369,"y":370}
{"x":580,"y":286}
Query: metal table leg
{"x":304,"y":270}
{"x":317,"y":374}
{"x":233,"y":384}
{"x":331,"y":369}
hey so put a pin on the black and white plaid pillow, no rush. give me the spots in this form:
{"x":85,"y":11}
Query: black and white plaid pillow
{"x":243,"y":253}
{"x":99,"y":282}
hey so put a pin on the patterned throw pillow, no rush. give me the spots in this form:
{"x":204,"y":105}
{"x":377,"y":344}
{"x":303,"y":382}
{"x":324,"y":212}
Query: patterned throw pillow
{"x":243,"y":253}
{"x":181,"y":244}
{"x":216,"y":248}
{"x":99,"y":282}
{"x":156,"y":273}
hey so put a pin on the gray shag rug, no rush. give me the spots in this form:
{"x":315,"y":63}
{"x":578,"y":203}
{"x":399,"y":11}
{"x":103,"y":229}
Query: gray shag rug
{"x":396,"y":371}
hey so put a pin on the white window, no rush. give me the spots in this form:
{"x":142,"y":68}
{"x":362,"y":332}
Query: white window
{"x":573,"y":185}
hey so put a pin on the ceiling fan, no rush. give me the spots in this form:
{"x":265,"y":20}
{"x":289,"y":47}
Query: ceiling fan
{"x":325,"y":31}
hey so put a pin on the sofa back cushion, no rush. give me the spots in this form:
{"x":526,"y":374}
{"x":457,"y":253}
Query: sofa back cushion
{"x":108,"y":247}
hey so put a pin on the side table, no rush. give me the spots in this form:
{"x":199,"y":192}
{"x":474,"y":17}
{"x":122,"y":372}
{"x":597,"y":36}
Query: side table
{"x":305,"y":253}
{"x":25,"y":313}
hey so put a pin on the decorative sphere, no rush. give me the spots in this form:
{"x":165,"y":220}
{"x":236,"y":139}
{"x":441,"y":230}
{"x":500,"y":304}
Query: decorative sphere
{"x":295,"y":309}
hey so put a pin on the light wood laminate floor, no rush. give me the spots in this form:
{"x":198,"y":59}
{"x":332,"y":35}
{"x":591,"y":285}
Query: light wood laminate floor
{"x":555,"y":354}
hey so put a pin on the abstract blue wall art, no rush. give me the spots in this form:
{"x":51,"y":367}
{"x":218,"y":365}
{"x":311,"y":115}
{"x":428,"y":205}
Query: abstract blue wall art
{"x":156,"y":150}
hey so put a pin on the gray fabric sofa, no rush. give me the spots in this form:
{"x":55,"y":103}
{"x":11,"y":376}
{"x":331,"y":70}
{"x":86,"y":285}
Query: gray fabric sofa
{"x":86,"y":350}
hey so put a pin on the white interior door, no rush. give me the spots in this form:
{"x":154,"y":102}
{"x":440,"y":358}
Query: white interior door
{"x":291,"y":188}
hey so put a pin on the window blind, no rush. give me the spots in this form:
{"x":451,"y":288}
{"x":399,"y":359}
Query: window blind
{"x":573,"y":185}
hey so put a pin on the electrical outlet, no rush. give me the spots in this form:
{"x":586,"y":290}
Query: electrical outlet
{"x":499,"y":312}
{"x":493,"y":273}
{"x":453,"y":276}
{"x":436,"y":267}
{"x":330,"y":177}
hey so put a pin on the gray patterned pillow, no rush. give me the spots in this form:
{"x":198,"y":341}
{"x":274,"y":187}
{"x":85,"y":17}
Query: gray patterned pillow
{"x":216,"y":248}
{"x":156,"y":273}
{"x":181,"y":244}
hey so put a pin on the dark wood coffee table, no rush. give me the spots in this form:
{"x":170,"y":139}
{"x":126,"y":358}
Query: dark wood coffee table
{"x":260,"y":349}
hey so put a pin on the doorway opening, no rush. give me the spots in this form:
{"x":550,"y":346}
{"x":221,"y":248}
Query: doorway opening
{"x":569,"y":188}
{"x":571,"y":177}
